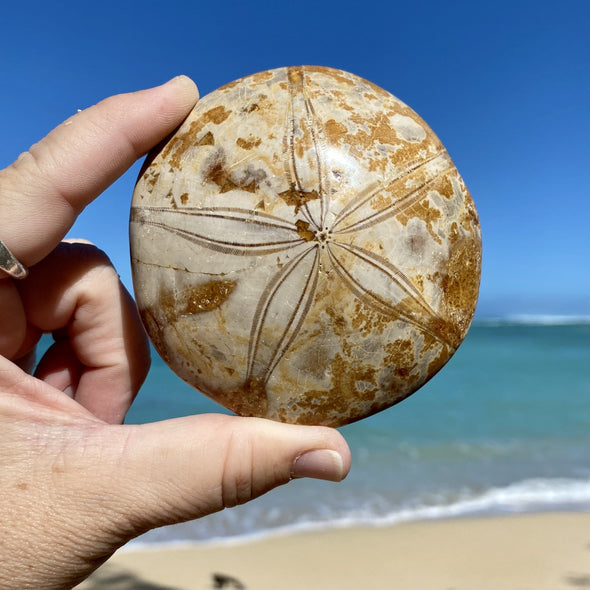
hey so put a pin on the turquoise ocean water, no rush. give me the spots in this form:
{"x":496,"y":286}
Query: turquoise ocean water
{"x":503,"y":428}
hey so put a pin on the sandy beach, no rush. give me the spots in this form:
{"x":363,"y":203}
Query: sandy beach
{"x":532,"y":551}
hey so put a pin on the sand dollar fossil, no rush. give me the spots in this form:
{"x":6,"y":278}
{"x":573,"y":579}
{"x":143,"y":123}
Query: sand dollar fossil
{"x":303,"y":248}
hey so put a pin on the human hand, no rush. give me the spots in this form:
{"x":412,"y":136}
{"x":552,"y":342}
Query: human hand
{"x":76,"y":484}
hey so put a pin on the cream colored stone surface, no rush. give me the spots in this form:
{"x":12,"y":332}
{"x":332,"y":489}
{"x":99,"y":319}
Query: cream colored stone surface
{"x":304,"y":249}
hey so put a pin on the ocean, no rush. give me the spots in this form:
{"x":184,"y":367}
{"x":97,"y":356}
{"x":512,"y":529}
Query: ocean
{"x":503,"y":428}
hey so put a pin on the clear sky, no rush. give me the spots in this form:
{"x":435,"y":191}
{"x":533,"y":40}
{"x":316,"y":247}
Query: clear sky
{"x":504,"y":84}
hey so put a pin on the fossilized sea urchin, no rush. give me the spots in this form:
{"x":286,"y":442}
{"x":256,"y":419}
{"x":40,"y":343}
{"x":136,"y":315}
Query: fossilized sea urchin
{"x":303,"y":248}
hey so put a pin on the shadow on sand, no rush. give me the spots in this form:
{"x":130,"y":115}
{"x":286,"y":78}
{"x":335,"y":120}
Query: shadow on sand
{"x":109,"y":578}
{"x":114,"y":578}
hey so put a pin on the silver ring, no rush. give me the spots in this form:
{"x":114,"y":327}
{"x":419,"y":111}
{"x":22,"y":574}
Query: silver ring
{"x":10,"y":265}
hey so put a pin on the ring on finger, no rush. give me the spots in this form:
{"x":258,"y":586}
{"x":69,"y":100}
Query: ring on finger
{"x":10,"y":265}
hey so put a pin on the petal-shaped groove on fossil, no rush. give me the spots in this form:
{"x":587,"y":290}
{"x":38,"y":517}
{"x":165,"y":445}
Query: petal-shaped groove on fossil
{"x":304,"y":134}
{"x":231,"y":231}
{"x":272,"y":332}
{"x":395,"y":296}
{"x":366,"y":210}
{"x":303,"y":248}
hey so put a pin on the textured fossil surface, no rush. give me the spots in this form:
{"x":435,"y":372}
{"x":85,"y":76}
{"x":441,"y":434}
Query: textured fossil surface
{"x":303,"y":248}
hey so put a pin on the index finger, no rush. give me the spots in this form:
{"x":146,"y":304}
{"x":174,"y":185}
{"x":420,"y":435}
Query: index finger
{"x":43,"y":192}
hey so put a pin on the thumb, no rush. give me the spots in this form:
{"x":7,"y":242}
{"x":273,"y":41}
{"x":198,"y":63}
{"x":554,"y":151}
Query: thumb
{"x":186,"y":468}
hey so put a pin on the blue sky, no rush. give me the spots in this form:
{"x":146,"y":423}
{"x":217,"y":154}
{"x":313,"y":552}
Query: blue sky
{"x":504,"y":85}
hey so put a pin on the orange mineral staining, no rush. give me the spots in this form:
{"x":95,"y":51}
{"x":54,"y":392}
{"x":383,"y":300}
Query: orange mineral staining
{"x":304,"y":249}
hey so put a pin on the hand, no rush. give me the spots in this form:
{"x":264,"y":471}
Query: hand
{"x":76,"y":484}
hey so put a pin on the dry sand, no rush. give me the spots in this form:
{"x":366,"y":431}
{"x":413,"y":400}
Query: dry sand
{"x":523,"y":552}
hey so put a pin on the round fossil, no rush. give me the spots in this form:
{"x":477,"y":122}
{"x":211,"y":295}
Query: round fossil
{"x":303,"y":248}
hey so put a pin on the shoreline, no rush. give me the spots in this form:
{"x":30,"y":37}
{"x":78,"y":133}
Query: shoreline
{"x":522,"y":497}
{"x":544,"y":550}
{"x":310,"y":528}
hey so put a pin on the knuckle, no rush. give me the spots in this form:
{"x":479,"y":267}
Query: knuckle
{"x":91,"y":261}
{"x":238,"y":471}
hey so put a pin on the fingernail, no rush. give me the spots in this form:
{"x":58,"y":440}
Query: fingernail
{"x":319,"y":464}
{"x":184,"y":87}
{"x":181,"y":80}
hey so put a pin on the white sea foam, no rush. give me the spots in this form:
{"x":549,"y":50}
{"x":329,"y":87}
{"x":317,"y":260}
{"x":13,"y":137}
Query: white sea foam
{"x":533,"y":320}
{"x":533,"y":495}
